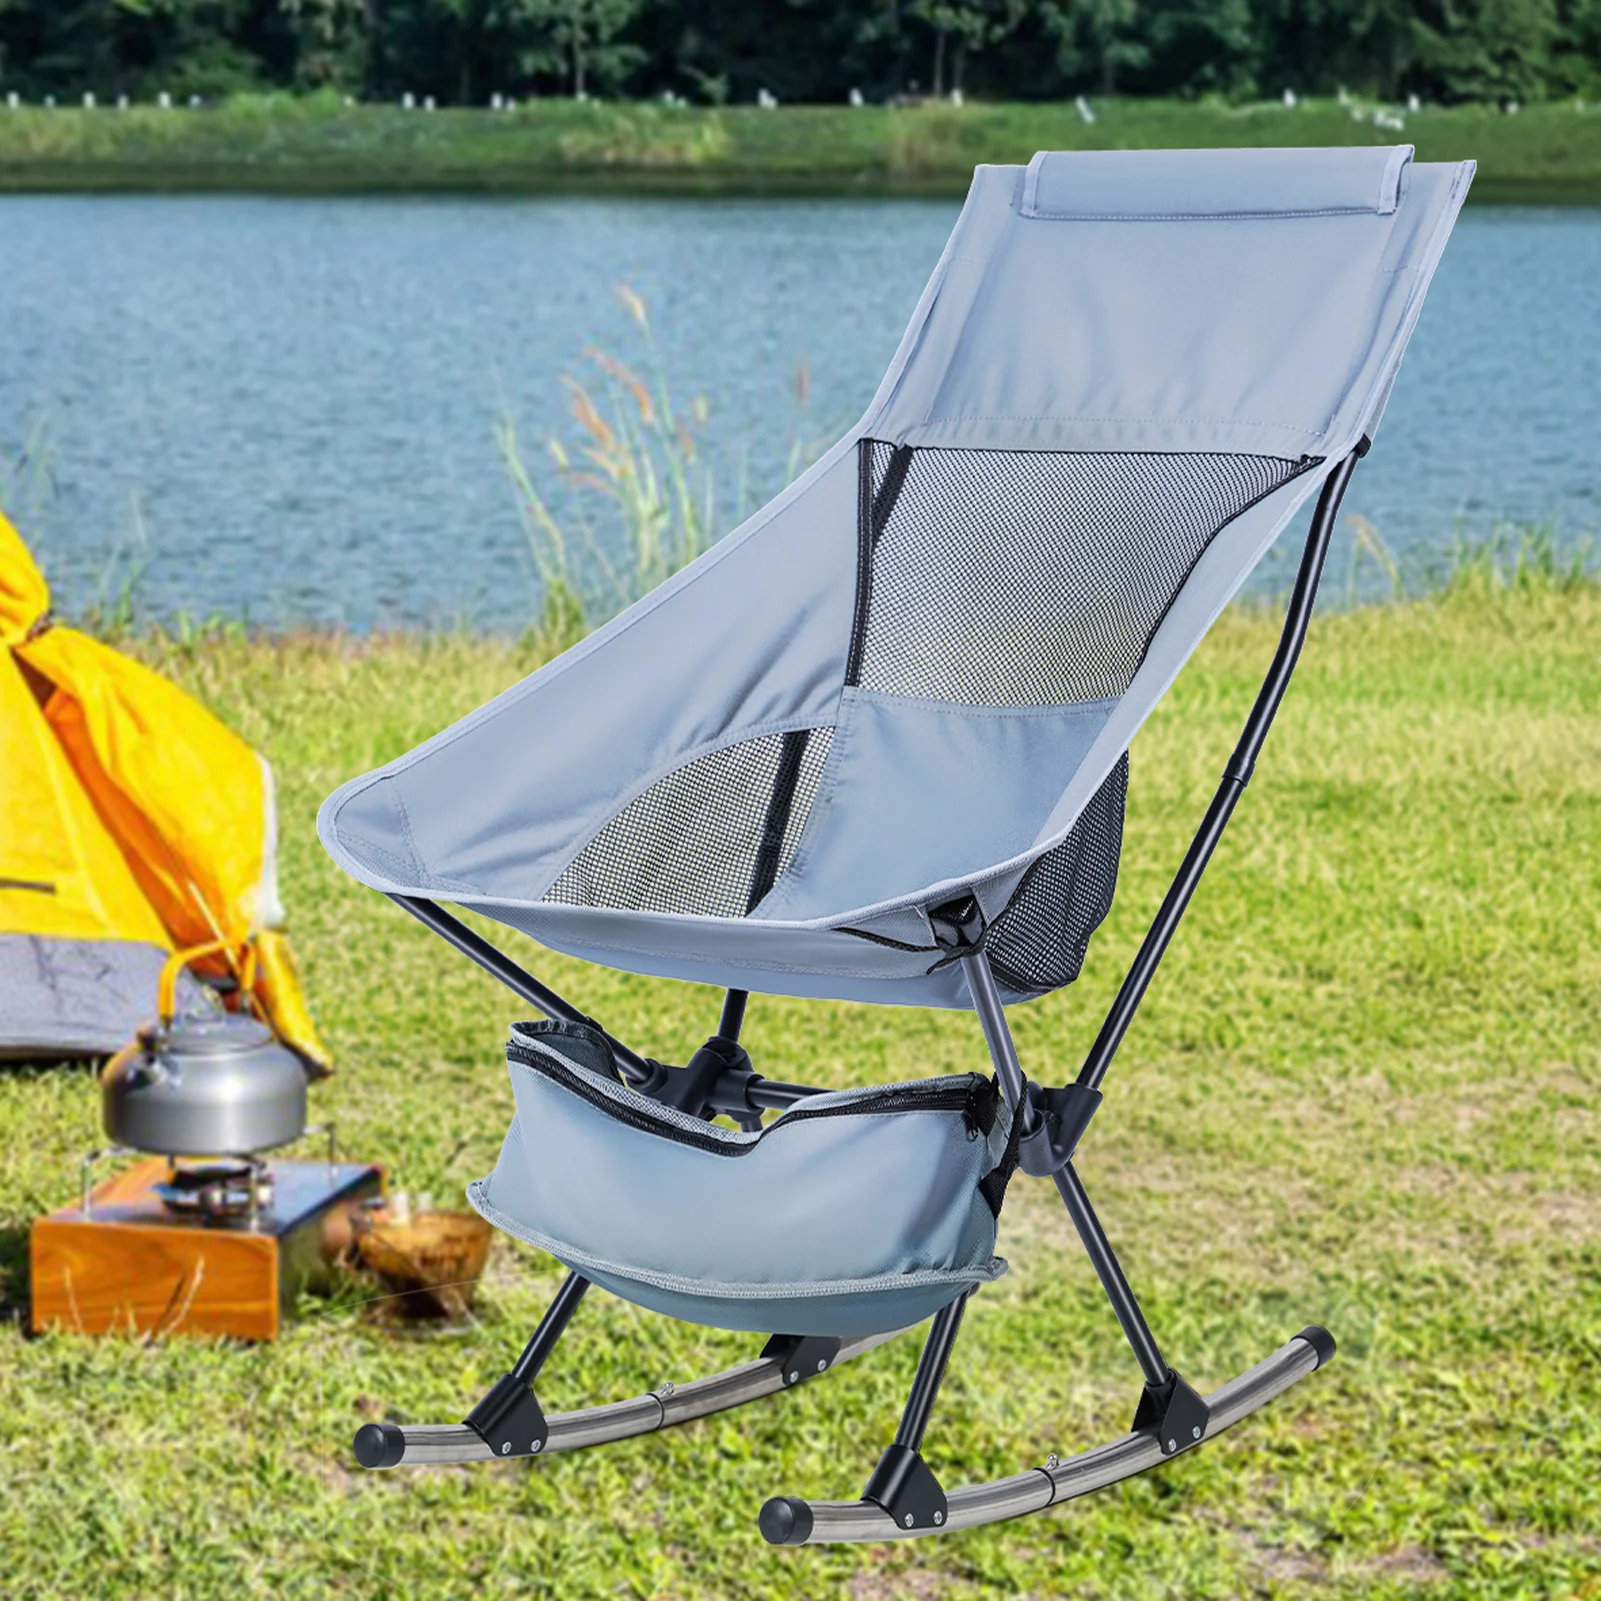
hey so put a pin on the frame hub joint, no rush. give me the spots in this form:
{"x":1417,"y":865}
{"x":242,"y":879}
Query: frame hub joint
{"x":714,"y":1080}
{"x":958,"y":925}
{"x":1061,"y":1117}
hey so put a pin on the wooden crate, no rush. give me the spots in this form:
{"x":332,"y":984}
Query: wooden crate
{"x":131,"y":1265}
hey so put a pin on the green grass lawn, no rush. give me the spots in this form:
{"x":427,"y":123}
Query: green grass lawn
{"x":1364,"y":1092}
{"x":1545,"y":152}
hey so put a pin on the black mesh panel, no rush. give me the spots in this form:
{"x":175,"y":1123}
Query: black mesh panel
{"x":692,"y":842}
{"x":1014,"y":578}
{"x":1038,"y":942}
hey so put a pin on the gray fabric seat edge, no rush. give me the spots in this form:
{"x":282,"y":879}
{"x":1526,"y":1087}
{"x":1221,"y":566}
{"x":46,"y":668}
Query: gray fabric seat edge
{"x":1130,"y":331}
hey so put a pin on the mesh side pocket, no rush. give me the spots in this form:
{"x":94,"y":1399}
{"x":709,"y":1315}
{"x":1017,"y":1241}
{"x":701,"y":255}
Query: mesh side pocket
{"x":1038,"y":942}
{"x":693,"y":842}
{"x":1016,"y":578}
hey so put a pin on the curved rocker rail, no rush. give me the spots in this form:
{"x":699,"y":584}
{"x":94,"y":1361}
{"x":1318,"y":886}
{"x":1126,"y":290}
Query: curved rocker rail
{"x":434,"y":1444}
{"x":792,"y":1521}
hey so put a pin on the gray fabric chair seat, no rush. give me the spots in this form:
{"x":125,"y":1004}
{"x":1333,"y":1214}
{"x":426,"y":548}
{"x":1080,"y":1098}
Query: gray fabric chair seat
{"x":853,"y":1213}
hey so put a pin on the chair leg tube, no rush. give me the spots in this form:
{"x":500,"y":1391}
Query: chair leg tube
{"x":903,"y":1484}
{"x":551,"y":1328}
{"x":992,"y":1019}
{"x":733,"y":1018}
{"x":1110,"y":1273}
{"x":930,"y":1374}
{"x":509,"y":1418}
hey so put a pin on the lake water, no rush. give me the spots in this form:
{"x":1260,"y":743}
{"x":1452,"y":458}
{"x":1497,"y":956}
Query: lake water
{"x":288,"y":407}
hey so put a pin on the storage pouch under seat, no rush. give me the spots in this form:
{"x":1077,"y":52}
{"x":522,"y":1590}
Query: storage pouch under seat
{"x":852,"y":1213}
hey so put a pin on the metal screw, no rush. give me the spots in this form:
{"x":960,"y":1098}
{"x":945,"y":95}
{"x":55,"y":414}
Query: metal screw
{"x":907,"y":1520}
{"x":1195,"y":1433}
{"x":667,"y":1388}
{"x":1172,"y":1445}
{"x":794,"y":1378}
{"x":505,"y":1450}
{"x":1053,"y":1461}
{"x":822,"y":1365}
{"x":939,"y":1517}
{"x":535,"y":1446}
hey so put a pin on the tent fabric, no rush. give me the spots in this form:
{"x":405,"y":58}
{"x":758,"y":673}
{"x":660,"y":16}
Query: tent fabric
{"x":132,"y":824}
{"x":915,"y":673}
{"x":84,"y":975}
{"x":72,"y":998}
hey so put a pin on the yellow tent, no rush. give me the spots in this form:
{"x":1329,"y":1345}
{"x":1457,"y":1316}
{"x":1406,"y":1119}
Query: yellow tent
{"x":132,"y":824}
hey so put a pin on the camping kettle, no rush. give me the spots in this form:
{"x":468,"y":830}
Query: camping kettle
{"x":203,"y":1084}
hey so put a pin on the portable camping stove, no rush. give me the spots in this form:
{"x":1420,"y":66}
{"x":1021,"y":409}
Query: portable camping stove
{"x":225,"y":1189}
{"x":210,"y":1189}
{"x":222,"y":1243}
{"x":218,"y":1246}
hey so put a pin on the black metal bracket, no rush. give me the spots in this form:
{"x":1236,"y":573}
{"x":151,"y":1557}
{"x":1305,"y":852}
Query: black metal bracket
{"x":1061,"y":1117}
{"x":719,"y":1079}
{"x":804,"y":1355}
{"x":905,"y":1486}
{"x":731,"y":1091}
{"x":1174,"y":1412}
{"x":509,"y":1419}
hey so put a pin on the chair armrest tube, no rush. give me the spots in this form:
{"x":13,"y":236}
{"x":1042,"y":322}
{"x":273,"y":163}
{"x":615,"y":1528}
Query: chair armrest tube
{"x":1236,"y":775}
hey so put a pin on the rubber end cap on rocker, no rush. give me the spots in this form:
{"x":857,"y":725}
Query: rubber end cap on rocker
{"x":1321,"y":1341}
{"x":786,"y":1520}
{"x":380,"y":1445}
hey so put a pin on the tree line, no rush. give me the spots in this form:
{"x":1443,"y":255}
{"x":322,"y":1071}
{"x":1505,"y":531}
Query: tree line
{"x":467,"y":52}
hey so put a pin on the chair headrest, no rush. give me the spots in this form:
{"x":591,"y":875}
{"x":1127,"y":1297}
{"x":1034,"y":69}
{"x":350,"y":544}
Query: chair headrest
{"x":1171,"y":185}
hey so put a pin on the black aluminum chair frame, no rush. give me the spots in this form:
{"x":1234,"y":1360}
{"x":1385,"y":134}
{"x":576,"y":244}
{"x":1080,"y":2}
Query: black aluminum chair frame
{"x":902,"y":1496}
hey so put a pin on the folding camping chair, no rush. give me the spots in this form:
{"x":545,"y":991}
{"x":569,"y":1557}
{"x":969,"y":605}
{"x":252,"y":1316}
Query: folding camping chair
{"x":873,"y":746}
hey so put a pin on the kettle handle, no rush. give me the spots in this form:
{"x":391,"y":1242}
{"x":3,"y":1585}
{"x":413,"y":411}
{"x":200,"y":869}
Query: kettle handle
{"x":167,"y":984}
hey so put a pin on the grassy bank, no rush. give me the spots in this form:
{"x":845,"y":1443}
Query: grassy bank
{"x":1546,"y":152}
{"x":1366,"y":1091}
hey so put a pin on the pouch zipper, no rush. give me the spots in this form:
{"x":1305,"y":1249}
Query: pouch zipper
{"x":904,"y":1098}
